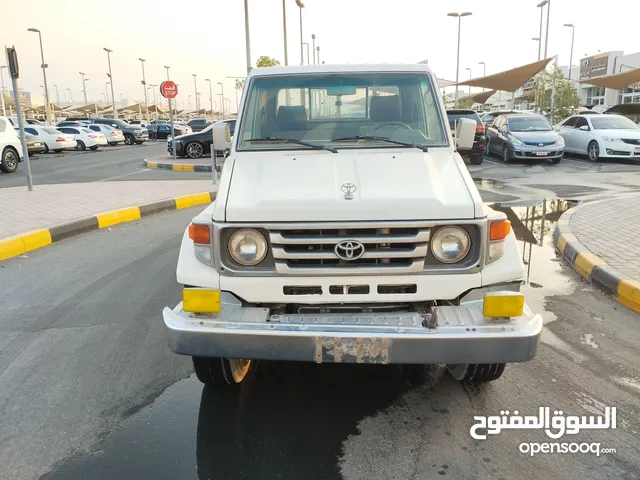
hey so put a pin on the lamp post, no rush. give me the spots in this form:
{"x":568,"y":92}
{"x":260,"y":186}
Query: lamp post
{"x":537,"y":39}
{"x":144,"y":87}
{"x":155,"y":101}
{"x":44,"y":74}
{"x":246,"y":32}
{"x":221,"y":107}
{"x":70,"y":95}
{"x":106,"y":89}
{"x":541,"y":7}
{"x":546,"y":36}
{"x":313,"y":49}
{"x":469,"y":79}
{"x":84,"y":90}
{"x":484,"y":70}
{"x":284,"y":31}
{"x":189,"y":102}
{"x":573,"y":31}
{"x":4,"y":110}
{"x":113,"y":97}
{"x":222,"y":96}
{"x":195,"y":88}
{"x":307,"y":44}
{"x":210,"y":95}
{"x":167,"y":67}
{"x":57,"y":95}
{"x":459,"y":15}
{"x":301,"y":5}
{"x":318,"y":50}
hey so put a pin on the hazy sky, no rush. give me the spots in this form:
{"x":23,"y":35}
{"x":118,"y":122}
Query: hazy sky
{"x":206,"y":37}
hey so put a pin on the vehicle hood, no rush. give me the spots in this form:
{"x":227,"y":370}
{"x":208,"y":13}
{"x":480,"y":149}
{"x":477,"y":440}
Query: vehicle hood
{"x":391,"y":184}
{"x":620,"y":133}
{"x":188,"y":136}
{"x":541,"y":137}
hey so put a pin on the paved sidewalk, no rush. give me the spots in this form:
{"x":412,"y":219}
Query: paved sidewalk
{"x":50,"y":205}
{"x":601,"y":241}
{"x":165,"y":162}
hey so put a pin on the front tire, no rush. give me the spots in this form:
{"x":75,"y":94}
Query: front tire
{"x":95,"y":147}
{"x":113,"y":144}
{"x":80,"y":146}
{"x":139,"y":142}
{"x":556,"y":161}
{"x":129,"y":139}
{"x":476,"y":159}
{"x":9,"y":160}
{"x":505,"y":155}
{"x":194,"y":150}
{"x":477,"y":372}
{"x":221,"y":372}
{"x":593,"y":151}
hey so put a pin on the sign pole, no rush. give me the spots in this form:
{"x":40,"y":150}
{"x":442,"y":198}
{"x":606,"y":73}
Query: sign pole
{"x":169,"y":90}
{"x":14,"y":71}
{"x":172,"y":131}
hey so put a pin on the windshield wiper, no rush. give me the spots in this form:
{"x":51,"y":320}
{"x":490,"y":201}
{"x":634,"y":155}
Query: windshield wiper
{"x":293,"y":140}
{"x":420,"y":146}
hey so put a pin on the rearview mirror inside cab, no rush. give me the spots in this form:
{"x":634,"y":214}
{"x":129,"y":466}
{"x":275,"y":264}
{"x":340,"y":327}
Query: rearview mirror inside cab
{"x":341,"y":90}
{"x":465,"y":133}
{"x":221,"y":136}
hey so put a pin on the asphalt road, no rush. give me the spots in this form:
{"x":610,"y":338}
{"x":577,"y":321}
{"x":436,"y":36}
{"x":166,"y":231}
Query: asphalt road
{"x":105,"y":164}
{"x":89,"y":389}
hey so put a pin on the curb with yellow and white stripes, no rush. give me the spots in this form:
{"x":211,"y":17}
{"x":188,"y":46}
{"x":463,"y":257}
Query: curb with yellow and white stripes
{"x":18,"y":244}
{"x":591,"y":267}
{"x":177,"y":167}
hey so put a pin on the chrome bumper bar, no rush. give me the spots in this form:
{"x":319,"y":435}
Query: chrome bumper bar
{"x":462,"y":335}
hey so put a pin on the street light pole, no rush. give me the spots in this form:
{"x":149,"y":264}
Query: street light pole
{"x":484,"y":70}
{"x":284,"y":31}
{"x":144,"y":87}
{"x":44,"y":74}
{"x":113,"y":97}
{"x":313,"y":49}
{"x":189,"y":101}
{"x":541,"y":7}
{"x":84,"y":89}
{"x":222,"y":96}
{"x":459,"y":15}
{"x":307,"y":44}
{"x":318,"y":50}
{"x":469,"y":79}
{"x":301,"y":5}
{"x":573,"y":31}
{"x":546,"y":38}
{"x":70,"y":95}
{"x":167,"y":67}
{"x":195,"y":87}
{"x":210,"y":95}
{"x":246,"y":31}
{"x":106,"y":89}
{"x":4,"y":110}
{"x":57,"y":95}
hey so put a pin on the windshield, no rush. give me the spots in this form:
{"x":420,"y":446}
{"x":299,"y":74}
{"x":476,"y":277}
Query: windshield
{"x":613,"y":122}
{"x":320,"y":109}
{"x":529,"y":124}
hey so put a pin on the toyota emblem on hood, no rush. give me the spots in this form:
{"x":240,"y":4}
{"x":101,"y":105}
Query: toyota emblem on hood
{"x":349,"y":250}
{"x":348,"y":189}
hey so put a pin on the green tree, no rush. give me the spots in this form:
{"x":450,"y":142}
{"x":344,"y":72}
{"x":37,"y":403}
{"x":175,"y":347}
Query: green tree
{"x":265,"y":61}
{"x":466,"y":102}
{"x":239,"y":83}
{"x":565,"y":100}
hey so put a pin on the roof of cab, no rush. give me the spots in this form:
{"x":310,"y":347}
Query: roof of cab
{"x":343,"y":68}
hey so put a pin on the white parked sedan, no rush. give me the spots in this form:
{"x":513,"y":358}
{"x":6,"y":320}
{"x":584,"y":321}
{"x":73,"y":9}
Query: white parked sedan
{"x":601,"y":136}
{"x":54,"y":140}
{"x":112,"y":135}
{"x":85,"y":138}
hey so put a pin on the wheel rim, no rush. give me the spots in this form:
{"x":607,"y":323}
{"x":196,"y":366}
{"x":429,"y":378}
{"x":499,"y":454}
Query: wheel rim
{"x":458,"y":371}
{"x":239,"y":368}
{"x":129,"y":141}
{"x":10,"y":160}
{"x":593,"y":151}
{"x":79,"y":145}
{"x":194,"y":150}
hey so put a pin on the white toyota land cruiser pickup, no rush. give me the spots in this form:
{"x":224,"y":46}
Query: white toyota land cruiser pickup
{"x":347,"y":228}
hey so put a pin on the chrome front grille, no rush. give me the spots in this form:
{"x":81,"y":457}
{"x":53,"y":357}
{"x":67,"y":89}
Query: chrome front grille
{"x":540,"y":144}
{"x":388,"y":249}
{"x":632,"y":141}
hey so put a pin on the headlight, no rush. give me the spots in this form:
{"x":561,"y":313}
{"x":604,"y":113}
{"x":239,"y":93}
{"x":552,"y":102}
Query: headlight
{"x":560,"y":142}
{"x":612,"y":139}
{"x":450,"y":244}
{"x":248,"y":247}
{"x":514,"y":140}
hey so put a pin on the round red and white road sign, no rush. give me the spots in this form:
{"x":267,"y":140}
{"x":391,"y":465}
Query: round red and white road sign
{"x":168,"y":89}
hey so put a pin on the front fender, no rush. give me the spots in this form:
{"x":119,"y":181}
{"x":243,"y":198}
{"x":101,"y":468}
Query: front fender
{"x":192,"y":272}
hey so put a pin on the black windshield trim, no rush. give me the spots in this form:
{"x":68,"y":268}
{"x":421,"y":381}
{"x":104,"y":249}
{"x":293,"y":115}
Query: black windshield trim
{"x":293,"y":140}
{"x":419,"y":146}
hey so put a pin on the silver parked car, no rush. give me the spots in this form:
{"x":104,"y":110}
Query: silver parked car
{"x":112,"y":135}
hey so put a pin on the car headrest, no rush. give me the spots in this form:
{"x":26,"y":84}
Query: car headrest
{"x":385,"y":108}
{"x":292,"y":118}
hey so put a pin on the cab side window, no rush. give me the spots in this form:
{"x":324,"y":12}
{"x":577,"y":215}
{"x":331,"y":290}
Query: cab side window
{"x":582,"y":122}
{"x":571,"y":123}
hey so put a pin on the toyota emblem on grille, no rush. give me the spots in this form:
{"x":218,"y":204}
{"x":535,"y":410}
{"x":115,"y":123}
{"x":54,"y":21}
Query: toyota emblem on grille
{"x":349,"y":250}
{"x":348,"y":189}
{"x":541,"y":144}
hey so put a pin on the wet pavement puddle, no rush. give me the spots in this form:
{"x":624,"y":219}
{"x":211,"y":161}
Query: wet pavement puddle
{"x":297,"y":420}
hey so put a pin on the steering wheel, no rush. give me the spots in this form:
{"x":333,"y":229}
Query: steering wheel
{"x":400,"y":124}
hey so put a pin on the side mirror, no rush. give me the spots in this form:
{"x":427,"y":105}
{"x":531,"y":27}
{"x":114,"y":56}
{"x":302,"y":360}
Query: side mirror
{"x":502,"y":130}
{"x":465,"y":133}
{"x":221,"y":136}
{"x":585,"y":128}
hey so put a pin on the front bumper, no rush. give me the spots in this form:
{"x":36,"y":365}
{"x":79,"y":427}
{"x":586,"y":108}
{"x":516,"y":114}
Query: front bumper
{"x":141,"y":136}
{"x":527,"y":152}
{"x":619,"y":149}
{"x":179,"y":148}
{"x":462,"y":335}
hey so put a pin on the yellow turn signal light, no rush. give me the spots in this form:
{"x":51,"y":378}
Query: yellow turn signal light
{"x":200,"y":300}
{"x":503,"y":304}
